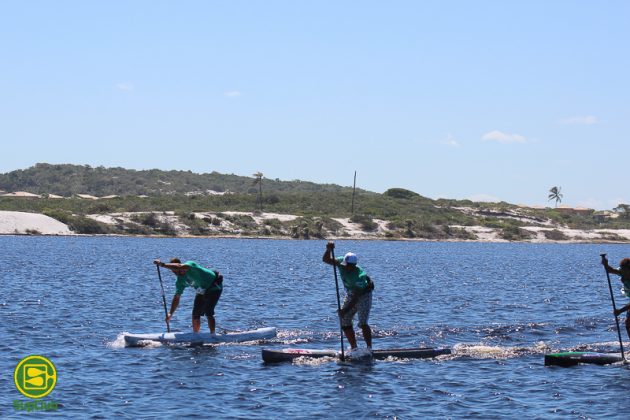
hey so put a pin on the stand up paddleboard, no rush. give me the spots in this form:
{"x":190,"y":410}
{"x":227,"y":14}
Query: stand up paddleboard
{"x":287,"y":355}
{"x":200,"y":338}
{"x":573,"y":358}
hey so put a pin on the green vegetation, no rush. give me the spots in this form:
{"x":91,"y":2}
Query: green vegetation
{"x":168,"y":202}
{"x":366,"y":222}
{"x":555,"y":235}
{"x":400,"y":193}
{"x":514,"y":233}
{"x":67,"y":180}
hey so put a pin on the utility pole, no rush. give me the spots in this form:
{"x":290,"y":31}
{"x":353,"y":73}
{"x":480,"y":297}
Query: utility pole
{"x":258,"y":176}
{"x":354,"y":186}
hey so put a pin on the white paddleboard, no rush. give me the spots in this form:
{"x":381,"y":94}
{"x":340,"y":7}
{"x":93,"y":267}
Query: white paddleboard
{"x":200,"y":338}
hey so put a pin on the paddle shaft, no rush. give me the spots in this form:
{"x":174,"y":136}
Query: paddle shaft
{"x":168,"y":327}
{"x":612,"y":298}
{"x":332,"y":254}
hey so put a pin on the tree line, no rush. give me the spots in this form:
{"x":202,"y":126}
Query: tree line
{"x":67,"y":180}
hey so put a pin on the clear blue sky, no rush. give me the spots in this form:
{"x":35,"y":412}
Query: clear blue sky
{"x":457,"y":99}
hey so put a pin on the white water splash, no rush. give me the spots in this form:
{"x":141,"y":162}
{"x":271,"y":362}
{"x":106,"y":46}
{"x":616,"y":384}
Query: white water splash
{"x":313,"y":361}
{"x":119,"y":342}
{"x":482,"y":351}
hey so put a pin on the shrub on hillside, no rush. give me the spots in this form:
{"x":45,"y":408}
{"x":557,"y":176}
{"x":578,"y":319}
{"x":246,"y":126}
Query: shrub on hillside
{"x":555,"y":235}
{"x":400,"y":193}
{"x":366,"y":222}
{"x":243,"y":221}
{"x":165,"y":228}
{"x":60,"y":215}
{"x":515,"y":233}
{"x":196,"y":226}
{"x":147,"y":219}
{"x":87,"y":226}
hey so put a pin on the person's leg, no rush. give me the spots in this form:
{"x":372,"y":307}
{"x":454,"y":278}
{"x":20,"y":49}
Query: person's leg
{"x":211,"y":299}
{"x":197,"y":312}
{"x":367,"y":335}
{"x":363,"y":309}
{"x":628,"y":324}
{"x":346,"y":323}
{"x":352,"y":338}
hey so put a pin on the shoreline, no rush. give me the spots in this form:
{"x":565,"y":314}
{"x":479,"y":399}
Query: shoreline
{"x":34,"y":224}
{"x":330,"y":238}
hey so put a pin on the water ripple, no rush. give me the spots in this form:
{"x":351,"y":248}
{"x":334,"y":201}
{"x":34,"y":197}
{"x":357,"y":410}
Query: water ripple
{"x":499,"y":307}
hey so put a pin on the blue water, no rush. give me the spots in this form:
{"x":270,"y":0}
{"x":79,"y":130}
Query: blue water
{"x":500,"y":307}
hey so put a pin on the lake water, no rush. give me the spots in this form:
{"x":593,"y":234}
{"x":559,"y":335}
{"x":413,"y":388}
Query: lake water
{"x":499,"y":307}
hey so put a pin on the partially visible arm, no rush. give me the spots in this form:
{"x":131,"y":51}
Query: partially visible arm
{"x":621,"y":310}
{"x":174,"y":305}
{"x":613,"y":270}
{"x":608,"y":268}
{"x":218,"y":278}
{"x":169,"y":266}
{"x":327,"y":257}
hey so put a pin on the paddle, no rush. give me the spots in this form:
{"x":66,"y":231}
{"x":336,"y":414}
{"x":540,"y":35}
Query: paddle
{"x":168,"y":327}
{"x":612,"y":298}
{"x":332,"y":253}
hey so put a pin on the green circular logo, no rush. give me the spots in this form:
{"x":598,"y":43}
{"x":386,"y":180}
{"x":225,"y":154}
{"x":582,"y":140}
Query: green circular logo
{"x":35,"y":376}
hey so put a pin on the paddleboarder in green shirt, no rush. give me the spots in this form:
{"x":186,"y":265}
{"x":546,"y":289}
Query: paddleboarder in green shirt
{"x":358,"y":299}
{"x":624,"y":272}
{"x":207,"y":283}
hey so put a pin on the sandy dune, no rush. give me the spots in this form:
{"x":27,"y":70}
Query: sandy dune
{"x":16,"y":222}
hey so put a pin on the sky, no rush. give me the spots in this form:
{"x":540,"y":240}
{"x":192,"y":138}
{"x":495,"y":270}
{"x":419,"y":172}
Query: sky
{"x":481,"y":100}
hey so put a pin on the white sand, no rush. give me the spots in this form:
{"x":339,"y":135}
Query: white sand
{"x":16,"y":222}
{"x":260,"y":217}
{"x":355,"y":231}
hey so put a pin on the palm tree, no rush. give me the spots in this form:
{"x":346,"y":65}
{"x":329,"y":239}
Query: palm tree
{"x":555,"y":194}
{"x":258,"y":180}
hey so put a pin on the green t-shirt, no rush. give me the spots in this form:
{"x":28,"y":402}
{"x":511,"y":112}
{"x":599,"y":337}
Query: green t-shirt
{"x":198,"y":278}
{"x":353,"y":279}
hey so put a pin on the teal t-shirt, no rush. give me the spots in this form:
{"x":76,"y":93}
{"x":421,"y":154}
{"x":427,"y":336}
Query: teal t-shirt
{"x":197,"y":277}
{"x":353,"y":279}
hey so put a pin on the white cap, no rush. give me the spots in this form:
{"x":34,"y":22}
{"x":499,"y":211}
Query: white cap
{"x":349,"y":258}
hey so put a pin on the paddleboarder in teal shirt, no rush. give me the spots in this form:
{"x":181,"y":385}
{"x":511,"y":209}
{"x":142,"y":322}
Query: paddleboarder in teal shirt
{"x":624,"y":272}
{"x":358,"y":297}
{"x":207,"y":283}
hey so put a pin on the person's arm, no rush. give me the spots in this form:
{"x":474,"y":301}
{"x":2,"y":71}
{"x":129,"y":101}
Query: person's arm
{"x":169,"y":266}
{"x":327,"y":258}
{"x":621,"y":310}
{"x":174,"y":305}
{"x":608,"y":268}
{"x":218,"y":278}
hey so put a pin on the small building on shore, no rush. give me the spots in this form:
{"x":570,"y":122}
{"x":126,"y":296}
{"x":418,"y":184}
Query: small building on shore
{"x":575,"y":210}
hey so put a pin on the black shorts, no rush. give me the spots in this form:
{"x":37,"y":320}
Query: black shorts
{"x":204,"y":304}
